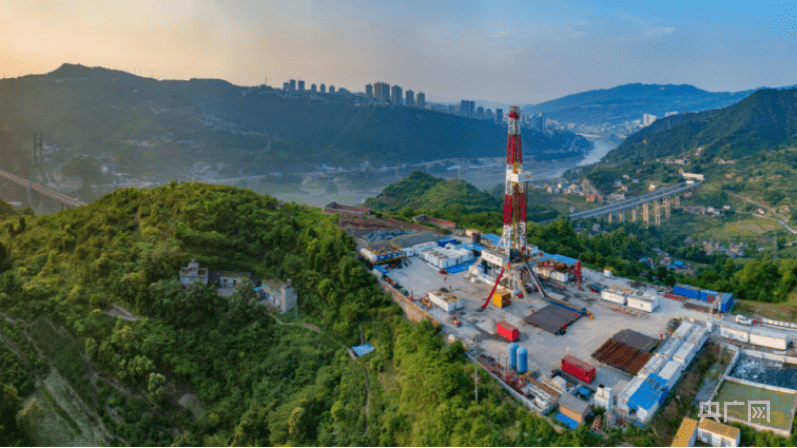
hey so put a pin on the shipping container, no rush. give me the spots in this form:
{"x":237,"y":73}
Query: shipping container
{"x":643,"y":304}
{"x":686,"y":353}
{"x":613,"y":296}
{"x":698,"y":336}
{"x":684,"y":330}
{"x":563,"y":277}
{"x":734,"y":333}
{"x":668,"y":347}
{"x":578,"y":368}
{"x":522,"y":360}
{"x":726,"y":304}
{"x":507,"y":331}
{"x":445,"y":301}
{"x":671,"y":372}
{"x":501,"y":301}
{"x":707,"y":295}
{"x":769,"y":339}
{"x":513,"y":355}
{"x":687,"y":291}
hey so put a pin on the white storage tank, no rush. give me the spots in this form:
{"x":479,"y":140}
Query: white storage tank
{"x":734,"y":333}
{"x":685,"y":354}
{"x":613,"y":296}
{"x":768,"y":338}
{"x":671,"y":372}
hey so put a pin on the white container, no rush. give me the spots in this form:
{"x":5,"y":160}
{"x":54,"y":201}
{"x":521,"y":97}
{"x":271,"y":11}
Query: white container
{"x":668,"y":347}
{"x":767,"y":338}
{"x":613,"y":296}
{"x":735,"y":334}
{"x":652,"y":366}
{"x":698,"y":336}
{"x":684,"y":330}
{"x":641,"y":304}
{"x":607,"y":273}
{"x":671,"y":372}
{"x":686,"y":353}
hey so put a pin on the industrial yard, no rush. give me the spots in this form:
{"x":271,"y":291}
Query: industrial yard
{"x":560,"y":337}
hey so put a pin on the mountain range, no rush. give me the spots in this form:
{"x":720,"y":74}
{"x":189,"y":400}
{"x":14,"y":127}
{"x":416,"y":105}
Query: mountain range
{"x":765,"y":119}
{"x":630,"y":101}
{"x":162,"y":129}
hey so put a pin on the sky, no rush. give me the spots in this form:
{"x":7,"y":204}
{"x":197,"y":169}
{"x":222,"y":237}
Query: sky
{"x":503,"y":51}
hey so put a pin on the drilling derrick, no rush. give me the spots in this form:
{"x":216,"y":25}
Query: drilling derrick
{"x":511,"y":255}
{"x":513,"y":240}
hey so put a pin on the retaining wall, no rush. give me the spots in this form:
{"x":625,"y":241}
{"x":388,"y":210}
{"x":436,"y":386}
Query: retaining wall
{"x":413,"y":311}
{"x":759,"y":427}
{"x":770,"y":356}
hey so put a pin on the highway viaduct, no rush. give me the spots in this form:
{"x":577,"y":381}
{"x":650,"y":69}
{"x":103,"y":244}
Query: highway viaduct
{"x":665,"y":198}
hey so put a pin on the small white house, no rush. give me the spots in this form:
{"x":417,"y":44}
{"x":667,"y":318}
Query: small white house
{"x":192,"y":273}
{"x":717,"y":434}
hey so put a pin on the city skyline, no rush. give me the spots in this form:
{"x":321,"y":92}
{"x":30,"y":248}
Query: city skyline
{"x":500,"y":52}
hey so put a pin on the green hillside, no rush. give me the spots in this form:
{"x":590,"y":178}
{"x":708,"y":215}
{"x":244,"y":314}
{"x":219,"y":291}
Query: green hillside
{"x":101,"y":344}
{"x":765,"y":119}
{"x":160,"y":129}
{"x":7,"y":209}
{"x":421,"y":191}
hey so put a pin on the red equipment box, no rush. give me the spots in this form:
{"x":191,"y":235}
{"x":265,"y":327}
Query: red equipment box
{"x":507,"y":331}
{"x":578,"y":368}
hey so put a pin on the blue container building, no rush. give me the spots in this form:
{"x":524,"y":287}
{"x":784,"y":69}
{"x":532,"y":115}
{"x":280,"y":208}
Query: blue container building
{"x":522,"y":360}
{"x":687,"y":291}
{"x":726,"y":302}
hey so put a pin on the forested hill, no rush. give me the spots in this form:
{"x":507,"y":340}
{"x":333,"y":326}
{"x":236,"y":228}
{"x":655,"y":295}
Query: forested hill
{"x":151,"y":127}
{"x":101,"y":345}
{"x":630,"y":101}
{"x":420,"y":191}
{"x":766,"y":119}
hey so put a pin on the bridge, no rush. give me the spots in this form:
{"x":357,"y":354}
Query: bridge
{"x":42,"y":190}
{"x":665,"y":197}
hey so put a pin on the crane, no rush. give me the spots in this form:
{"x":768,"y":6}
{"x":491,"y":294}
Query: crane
{"x":487,"y":302}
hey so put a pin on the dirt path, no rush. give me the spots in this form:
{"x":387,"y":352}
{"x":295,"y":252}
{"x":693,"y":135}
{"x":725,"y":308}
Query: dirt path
{"x":351,"y":354}
{"x":782,"y":219}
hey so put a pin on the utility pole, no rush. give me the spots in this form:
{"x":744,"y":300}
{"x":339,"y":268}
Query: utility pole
{"x":477,"y":382}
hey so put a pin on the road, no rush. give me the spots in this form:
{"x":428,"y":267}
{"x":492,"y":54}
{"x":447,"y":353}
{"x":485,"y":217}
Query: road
{"x":41,"y":189}
{"x":782,"y":219}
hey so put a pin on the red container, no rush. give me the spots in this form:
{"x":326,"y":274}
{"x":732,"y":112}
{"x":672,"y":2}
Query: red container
{"x":578,"y":368}
{"x":507,"y":331}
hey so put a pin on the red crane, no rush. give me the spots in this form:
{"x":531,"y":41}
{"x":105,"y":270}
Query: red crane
{"x":487,"y":302}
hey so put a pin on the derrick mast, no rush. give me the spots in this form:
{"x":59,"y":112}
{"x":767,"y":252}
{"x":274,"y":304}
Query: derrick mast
{"x":513,"y":240}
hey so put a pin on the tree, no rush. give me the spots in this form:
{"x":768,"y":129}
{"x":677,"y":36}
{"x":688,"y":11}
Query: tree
{"x":241,"y":303}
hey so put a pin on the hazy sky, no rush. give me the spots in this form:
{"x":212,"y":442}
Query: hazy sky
{"x":501,"y":51}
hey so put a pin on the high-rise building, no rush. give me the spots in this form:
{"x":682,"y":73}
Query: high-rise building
{"x":322,"y":88}
{"x":499,"y":115}
{"x":369,"y":91}
{"x":301,"y":85}
{"x":395,"y":98}
{"x":421,"y":99}
{"x":467,"y":108}
{"x":293,"y":84}
{"x":382,"y":92}
{"x":480,"y":112}
{"x":313,"y":87}
{"x":410,"y":98}
{"x":542,"y":123}
{"x":488,"y":114}
{"x":286,"y":86}
{"x":331,"y":89}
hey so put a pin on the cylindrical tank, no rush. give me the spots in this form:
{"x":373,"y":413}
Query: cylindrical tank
{"x":522,"y":360}
{"x":513,"y":355}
